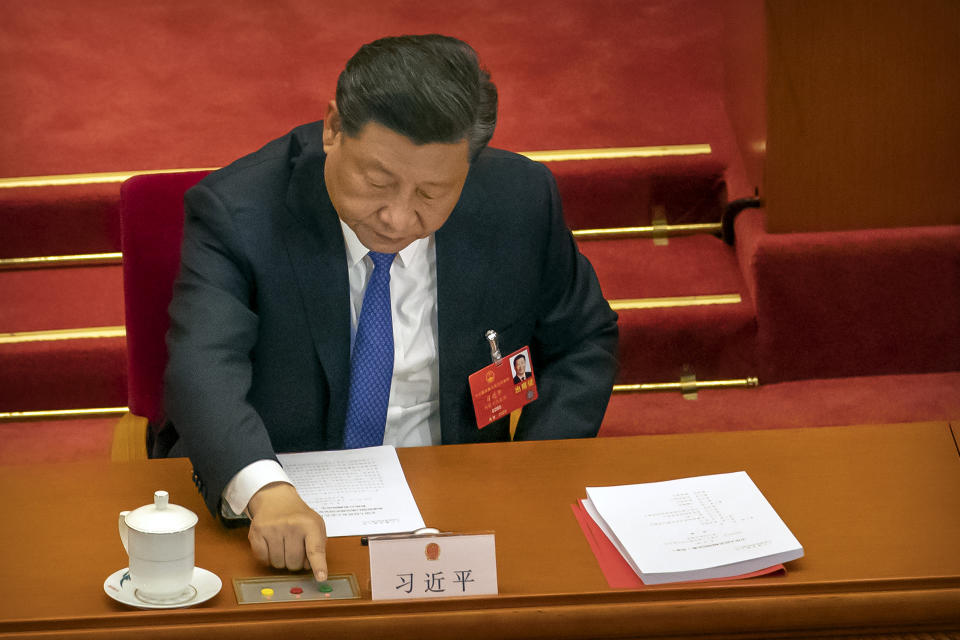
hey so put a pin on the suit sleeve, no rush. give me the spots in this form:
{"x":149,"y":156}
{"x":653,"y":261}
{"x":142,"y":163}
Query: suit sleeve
{"x":574,"y":345}
{"x":213,"y":328}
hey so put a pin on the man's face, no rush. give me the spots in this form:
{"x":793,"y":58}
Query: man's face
{"x":388,"y":189}
{"x":520,"y":364}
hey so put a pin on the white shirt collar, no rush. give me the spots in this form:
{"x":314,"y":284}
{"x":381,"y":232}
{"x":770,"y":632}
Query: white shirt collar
{"x":356,"y":251}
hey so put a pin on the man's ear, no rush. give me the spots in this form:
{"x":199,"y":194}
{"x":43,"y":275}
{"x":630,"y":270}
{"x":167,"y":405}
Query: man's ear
{"x":332,"y":129}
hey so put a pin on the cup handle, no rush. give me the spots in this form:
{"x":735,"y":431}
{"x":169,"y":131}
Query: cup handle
{"x":122,"y":524}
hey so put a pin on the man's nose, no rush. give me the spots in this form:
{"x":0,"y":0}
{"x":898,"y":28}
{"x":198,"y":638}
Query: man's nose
{"x":400,"y":212}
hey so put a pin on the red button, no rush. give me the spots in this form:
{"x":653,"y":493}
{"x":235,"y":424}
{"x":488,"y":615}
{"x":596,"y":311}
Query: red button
{"x":296,"y":590}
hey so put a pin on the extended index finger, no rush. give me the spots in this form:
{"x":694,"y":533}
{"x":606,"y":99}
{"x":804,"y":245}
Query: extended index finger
{"x":315,"y":544}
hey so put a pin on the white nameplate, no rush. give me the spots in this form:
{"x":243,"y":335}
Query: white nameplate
{"x":442,"y":565}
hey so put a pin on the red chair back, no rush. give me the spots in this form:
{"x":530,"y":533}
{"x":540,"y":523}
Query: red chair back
{"x":151,"y":230}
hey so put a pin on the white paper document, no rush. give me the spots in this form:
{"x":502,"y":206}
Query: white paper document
{"x":715,"y":526}
{"x":357,"y":491}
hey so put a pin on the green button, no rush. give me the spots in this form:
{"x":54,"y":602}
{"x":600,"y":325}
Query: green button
{"x":324,"y":587}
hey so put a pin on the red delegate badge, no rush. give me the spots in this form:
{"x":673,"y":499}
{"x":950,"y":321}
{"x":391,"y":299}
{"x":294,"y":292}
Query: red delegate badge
{"x":503,"y":387}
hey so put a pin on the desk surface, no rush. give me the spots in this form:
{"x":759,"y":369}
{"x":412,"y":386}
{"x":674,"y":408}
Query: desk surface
{"x":877,"y":509}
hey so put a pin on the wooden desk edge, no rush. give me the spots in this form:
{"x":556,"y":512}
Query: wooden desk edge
{"x":891,"y":606}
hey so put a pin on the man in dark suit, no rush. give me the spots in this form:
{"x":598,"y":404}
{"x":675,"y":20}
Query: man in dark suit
{"x":391,"y":207}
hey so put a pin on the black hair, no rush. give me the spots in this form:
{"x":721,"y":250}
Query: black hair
{"x":429,"y":88}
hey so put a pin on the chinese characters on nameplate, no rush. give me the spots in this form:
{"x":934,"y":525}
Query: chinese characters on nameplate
{"x":433,"y":566}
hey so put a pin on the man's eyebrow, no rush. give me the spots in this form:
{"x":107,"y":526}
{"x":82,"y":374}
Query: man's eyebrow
{"x":375,"y":165}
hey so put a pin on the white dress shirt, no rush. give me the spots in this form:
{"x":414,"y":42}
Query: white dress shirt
{"x":413,"y":411}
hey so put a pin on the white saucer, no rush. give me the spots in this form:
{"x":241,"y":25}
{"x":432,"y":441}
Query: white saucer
{"x":204,"y":585}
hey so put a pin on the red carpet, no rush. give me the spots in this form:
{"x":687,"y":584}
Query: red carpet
{"x":807,"y":403}
{"x":76,"y":440}
{"x":63,"y":374}
{"x":66,"y":298}
{"x":96,"y":85}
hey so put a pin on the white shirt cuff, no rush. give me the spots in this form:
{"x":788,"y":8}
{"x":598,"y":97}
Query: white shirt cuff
{"x":249,"y":480}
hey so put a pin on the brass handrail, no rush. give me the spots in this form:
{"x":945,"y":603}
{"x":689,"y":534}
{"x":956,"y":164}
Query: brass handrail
{"x":554,"y":155}
{"x":648,"y":232}
{"x":76,"y":260}
{"x":686,"y":386}
{"x":675,"y":301}
{"x":62,"y":414}
{"x":17,"y":337}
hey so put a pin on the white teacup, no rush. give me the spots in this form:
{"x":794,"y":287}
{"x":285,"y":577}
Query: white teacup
{"x":158,"y":539}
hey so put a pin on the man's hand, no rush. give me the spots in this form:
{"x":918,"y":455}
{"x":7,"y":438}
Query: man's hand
{"x":285,"y":532}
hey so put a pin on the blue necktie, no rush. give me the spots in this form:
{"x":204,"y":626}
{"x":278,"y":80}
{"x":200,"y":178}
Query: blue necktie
{"x":371,"y":365}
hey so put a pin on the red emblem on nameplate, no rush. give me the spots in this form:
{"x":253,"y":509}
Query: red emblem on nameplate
{"x":432,"y":551}
{"x":503,"y":387}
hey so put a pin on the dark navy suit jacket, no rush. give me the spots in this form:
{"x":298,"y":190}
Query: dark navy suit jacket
{"x":259,"y":340}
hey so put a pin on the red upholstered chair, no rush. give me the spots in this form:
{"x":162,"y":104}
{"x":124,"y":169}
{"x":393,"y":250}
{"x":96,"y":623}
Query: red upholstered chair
{"x":151,"y":229}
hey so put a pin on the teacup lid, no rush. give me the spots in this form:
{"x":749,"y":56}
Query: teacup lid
{"x":161,"y":516}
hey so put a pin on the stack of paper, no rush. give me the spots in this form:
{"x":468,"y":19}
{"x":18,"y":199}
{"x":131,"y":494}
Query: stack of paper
{"x":357,"y":491}
{"x":709,"y":527}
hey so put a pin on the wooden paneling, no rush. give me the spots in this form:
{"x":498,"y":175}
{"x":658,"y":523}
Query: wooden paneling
{"x":862,"y":114}
{"x":745,"y":70}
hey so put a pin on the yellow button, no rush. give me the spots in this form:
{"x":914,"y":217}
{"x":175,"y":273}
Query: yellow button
{"x":267,"y":592}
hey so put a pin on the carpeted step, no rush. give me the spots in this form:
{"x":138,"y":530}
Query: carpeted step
{"x":64,"y":366}
{"x":61,"y":298}
{"x":715,"y":342}
{"x":629,"y":192}
{"x":70,"y":440}
{"x":683,"y":308}
{"x":685,"y":266}
{"x":853,"y":303}
{"x":80,"y":373}
{"x":59,"y":220}
{"x":805,"y":403}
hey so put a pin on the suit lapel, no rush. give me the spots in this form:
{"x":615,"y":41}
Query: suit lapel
{"x":318,"y":259}
{"x":461,"y":292}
